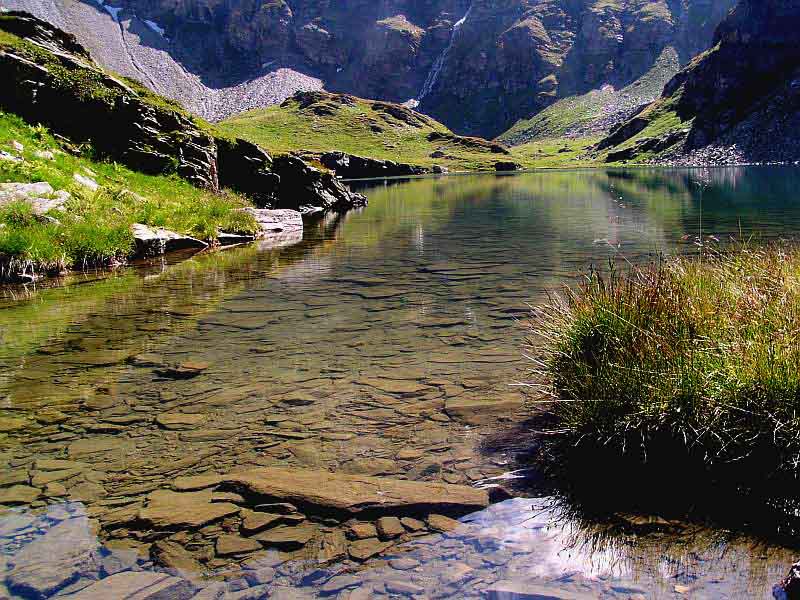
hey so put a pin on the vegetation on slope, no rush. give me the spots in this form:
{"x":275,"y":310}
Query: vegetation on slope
{"x":94,"y":228}
{"x":318,"y":122}
{"x":694,"y":356}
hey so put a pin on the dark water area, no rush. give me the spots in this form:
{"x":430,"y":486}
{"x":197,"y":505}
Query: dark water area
{"x":387,"y":342}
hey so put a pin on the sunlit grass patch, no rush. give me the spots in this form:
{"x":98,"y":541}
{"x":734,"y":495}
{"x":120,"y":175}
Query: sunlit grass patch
{"x":696,"y":353}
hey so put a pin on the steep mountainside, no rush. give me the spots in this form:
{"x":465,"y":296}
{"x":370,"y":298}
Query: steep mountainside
{"x":738,"y":102}
{"x":476,"y":65}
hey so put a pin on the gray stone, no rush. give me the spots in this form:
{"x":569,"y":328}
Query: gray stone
{"x":54,"y":560}
{"x":152,"y":241}
{"x":138,"y":585}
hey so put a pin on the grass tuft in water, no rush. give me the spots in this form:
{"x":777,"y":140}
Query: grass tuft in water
{"x":695,"y":354}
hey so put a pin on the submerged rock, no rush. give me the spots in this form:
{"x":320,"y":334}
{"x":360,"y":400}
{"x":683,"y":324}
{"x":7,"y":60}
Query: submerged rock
{"x":354,"y":494}
{"x":138,"y":585}
{"x":54,"y":560}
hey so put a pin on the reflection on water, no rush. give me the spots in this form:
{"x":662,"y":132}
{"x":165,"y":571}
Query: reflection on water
{"x":384,"y":344}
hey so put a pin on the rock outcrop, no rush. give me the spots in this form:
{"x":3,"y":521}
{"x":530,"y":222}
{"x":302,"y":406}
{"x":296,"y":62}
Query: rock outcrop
{"x":350,"y":166}
{"x":738,"y":102}
{"x":54,"y":81}
{"x":476,"y":65}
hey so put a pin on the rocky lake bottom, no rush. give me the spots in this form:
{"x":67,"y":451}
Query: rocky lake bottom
{"x":316,"y":420}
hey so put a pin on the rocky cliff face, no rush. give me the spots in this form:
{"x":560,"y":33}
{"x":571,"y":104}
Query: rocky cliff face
{"x":739,"y":102}
{"x":476,"y":65}
{"x":51,"y":79}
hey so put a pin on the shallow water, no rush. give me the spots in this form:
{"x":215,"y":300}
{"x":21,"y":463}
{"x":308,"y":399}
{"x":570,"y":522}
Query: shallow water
{"x":388,"y":342}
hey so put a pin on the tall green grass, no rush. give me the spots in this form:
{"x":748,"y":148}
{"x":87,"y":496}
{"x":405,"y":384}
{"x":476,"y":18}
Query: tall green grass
{"x":700,"y":354}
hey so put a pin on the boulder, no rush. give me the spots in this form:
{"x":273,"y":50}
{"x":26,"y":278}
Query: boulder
{"x":354,"y":494}
{"x":247,"y":168}
{"x":506,"y":166}
{"x":152,"y":241}
{"x":308,"y":189}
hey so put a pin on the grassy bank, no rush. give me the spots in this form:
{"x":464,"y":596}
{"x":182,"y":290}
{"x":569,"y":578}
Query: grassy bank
{"x":94,"y":227}
{"x":697,"y":356}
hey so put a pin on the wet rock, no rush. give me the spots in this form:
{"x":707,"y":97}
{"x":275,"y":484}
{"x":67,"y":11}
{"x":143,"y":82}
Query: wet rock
{"x":481,"y":410}
{"x":54,"y":560}
{"x":19,"y":494}
{"x":11,"y":523}
{"x":155,"y":241}
{"x":389,"y":528}
{"x":404,"y":564}
{"x":258,"y":521}
{"x":174,"y":556}
{"x":512,"y":590}
{"x":179,"y":421}
{"x":404,"y":588}
{"x":354,"y":494}
{"x":185,"y":370}
{"x":9,"y":424}
{"x":138,"y":585}
{"x":332,"y":547}
{"x":442,"y":523}
{"x":172,"y":510}
{"x":362,"y":550}
{"x":231,"y":545}
{"x":399,"y":387}
{"x":287,"y":537}
{"x":412,"y":525}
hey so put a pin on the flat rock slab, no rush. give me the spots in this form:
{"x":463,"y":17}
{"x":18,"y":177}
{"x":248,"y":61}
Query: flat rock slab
{"x":54,"y":560}
{"x":179,"y":421}
{"x":173,"y":510}
{"x":138,"y":585}
{"x":512,"y":590}
{"x":479,"y":411}
{"x":355,"y":494}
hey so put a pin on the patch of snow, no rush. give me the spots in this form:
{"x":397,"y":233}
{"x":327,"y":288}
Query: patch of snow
{"x":154,"y":26}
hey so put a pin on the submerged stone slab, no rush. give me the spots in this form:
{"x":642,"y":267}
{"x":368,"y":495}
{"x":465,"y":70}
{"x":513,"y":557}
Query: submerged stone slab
{"x":173,"y":510}
{"x":357,"y":494}
{"x":54,"y":560}
{"x":479,"y":411}
{"x":138,"y":585}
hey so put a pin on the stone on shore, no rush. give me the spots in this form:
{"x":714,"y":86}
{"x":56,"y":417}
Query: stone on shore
{"x":353,"y":494}
{"x":155,"y":241}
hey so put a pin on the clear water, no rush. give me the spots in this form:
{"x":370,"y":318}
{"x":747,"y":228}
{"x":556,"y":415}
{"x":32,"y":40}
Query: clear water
{"x":357,"y":350}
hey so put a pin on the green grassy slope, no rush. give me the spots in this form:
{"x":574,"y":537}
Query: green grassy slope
{"x":320,"y":122}
{"x":94,"y":228}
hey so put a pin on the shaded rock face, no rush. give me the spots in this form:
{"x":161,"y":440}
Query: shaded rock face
{"x":738,"y":102}
{"x":476,"y":65}
{"x":754,"y":73}
{"x":56,"y":82}
{"x":512,"y":58}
